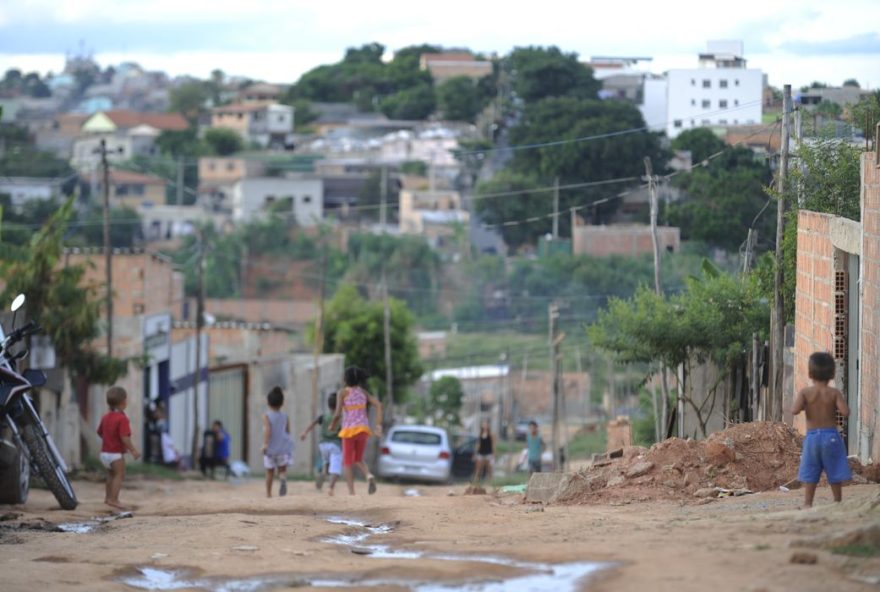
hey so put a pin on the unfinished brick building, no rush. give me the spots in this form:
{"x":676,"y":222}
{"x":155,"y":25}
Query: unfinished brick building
{"x":837,"y":307}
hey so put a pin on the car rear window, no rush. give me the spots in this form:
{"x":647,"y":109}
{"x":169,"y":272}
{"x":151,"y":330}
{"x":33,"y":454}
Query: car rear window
{"x":412,"y":437}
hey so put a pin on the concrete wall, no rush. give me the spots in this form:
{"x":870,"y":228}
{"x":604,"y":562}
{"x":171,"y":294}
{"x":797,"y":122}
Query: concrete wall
{"x":284,"y":313}
{"x":869,"y":379}
{"x":622,"y":239}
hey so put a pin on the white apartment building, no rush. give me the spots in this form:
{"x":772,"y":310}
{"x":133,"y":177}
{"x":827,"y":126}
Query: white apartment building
{"x":269,"y":125}
{"x":720,"y":91}
{"x":302,"y":197}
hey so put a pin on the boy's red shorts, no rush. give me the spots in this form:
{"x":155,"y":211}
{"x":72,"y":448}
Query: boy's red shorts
{"x":353,"y":449}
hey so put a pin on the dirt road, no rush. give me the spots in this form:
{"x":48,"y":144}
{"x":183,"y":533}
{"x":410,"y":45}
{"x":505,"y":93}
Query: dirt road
{"x":225,"y":536}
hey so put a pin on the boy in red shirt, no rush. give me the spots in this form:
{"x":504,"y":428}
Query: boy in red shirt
{"x":115,"y":432}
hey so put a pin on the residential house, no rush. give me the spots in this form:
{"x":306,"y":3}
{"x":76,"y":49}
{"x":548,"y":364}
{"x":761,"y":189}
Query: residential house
{"x":452,"y":64}
{"x":133,"y":190}
{"x":166,"y":222}
{"x":837,"y":309}
{"x":126,"y":134}
{"x":432,"y":214}
{"x":57,"y":134}
{"x":629,"y":240}
{"x":293,"y":314}
{"x":24,"y":189}
{"x":233,"y":342}
{"x":218,"y":176}
{"x":261,"y":93}
{"x":842,"y":95}
{"x":720,"y":91}
{"x":432,"y":344}
{"x":268,"y":125}
{"x":301,"y":197}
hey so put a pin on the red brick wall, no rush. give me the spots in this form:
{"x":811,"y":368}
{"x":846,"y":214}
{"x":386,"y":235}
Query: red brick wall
{"x":814,"y":295}
{"x":869,"y":379}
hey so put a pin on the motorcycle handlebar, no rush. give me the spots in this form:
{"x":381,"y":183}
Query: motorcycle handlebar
{"x":29,"y":328}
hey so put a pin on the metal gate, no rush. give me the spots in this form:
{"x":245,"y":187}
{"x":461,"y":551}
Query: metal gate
{"x":227,"y":402}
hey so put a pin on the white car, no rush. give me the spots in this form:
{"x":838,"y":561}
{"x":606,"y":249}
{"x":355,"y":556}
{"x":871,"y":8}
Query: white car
{"x":416,"y":452}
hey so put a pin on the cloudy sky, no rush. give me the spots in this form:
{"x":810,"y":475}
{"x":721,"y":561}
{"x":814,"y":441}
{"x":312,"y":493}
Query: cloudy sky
{"x":794,"y":41}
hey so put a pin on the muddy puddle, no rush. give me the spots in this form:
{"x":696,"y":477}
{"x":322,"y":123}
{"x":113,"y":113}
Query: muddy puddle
{"x":88,"y":526}
{"x":359,"y":538}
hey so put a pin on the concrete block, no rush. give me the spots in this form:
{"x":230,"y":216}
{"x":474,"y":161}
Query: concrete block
{"x":546,"y":487}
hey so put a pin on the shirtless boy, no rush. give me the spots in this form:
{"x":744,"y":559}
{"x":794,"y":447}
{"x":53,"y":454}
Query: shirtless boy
{"x":823,"y":446}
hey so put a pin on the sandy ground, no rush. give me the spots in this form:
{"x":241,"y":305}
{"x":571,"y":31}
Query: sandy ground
{"x":228,"y":530}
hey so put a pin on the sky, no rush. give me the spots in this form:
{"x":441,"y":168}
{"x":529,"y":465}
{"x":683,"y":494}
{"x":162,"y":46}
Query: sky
{"x":792,"y":41}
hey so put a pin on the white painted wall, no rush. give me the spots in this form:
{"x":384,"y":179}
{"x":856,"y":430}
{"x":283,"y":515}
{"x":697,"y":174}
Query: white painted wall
{"x":697,"y":98}
{"x":250,"y":197}
{"x":654,"y":108}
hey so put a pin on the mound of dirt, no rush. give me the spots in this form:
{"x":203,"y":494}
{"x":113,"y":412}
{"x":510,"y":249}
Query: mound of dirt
{"x":757,"y":456}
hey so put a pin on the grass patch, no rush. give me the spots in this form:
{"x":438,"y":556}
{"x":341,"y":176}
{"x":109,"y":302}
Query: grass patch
{"x":857,"y":550}
{"x":514,"y":479}
{"x":586,"y":443}
{"x":762,"y":547}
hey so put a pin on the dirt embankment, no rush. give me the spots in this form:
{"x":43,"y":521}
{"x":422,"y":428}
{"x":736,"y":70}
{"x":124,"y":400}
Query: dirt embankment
{"x":745,"y":458}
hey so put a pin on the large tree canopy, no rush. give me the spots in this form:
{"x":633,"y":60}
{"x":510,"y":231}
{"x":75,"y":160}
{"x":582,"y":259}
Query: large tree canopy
{"x":542,"y":72}
{"x":354,"y":327}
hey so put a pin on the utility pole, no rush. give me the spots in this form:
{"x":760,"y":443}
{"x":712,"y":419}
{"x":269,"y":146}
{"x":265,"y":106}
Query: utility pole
{"x":383,"y":191}
{"x":200,"y":320}
{"x":658,"y":284}
{"x":180,"y":181}
{"x":316,"y":367}
{"x":389,"y":374}
{"x":556,"y":339}
{"x":556,"y":209}
{"x":777,"y":334}
{"x":108,"y":247}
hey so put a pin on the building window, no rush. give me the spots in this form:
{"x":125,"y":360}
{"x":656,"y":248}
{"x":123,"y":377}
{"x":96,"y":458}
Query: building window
{"x":707,"y":83}
{"x":722,"y":104}
{"x":676,"y":123}
{"x":736,"y":102}
{"x":693,"y":102}
{"x":212,"y":166}
{"x":705,"y":122}
{"x":307,"y":199}
{"x":693,"y":82}
{"x":281,"y":118}
{"x":735,"y":122}
{"x":722,"y":121}
{"x":722,"y":84}
{"x":706,"y":103}
{"x":736,"y":82}
{"x":230,"y":166}
{"x":241,"y":115}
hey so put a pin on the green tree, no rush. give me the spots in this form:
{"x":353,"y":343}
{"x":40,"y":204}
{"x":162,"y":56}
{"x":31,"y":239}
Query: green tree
{"x":57,"y":299}
{"x":722,"y":201}
{"x":459,"y":99}
{"x":444,"y":404}
{"x":126,"y":227}
{"x":712,"y":320}
{"x":354,"y":326}
{"x":414,"y":103}
{"x":701,"y":142}
{"x":180,"y":143}
{"x":865,"y":114}
{"x":189,"y":99}
{"x":542,"y":72}
{"x":513,"y":196}
{"x":829,"y":109}
{"x":223,"y":142}
{"x":851,"y":82}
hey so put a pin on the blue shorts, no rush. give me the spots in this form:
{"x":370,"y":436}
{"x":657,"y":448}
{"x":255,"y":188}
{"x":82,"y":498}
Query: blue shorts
{"x":824,"y":451}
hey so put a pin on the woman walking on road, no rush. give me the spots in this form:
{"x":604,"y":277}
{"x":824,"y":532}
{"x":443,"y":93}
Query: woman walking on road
{"x":484,"y":457}
{"x":351,"y":406}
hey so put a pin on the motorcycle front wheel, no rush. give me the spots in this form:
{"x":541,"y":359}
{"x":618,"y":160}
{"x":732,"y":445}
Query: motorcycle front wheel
{"x":50,"y":471}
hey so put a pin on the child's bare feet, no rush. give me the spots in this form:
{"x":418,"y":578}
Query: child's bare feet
{"x":330,"y":492}
{"x":115,"y":504}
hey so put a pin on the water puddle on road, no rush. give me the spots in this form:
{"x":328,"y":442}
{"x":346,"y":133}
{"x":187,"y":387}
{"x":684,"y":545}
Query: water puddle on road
{"x":88,"y":526}
{"x":562,"y":577}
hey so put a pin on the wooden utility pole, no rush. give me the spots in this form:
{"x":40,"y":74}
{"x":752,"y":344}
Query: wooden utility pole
{"x":180,"y":184}
{"x":316,"y":363}
{"x":556,"y":209}
{"x":108,"y":247}
{"x":658,"y":283}
{"x":383,"y":192}
{"x":389,"y":373}
{"x":556,"y":339}
{"x":200,"y":320}
{"x":777,"y":334}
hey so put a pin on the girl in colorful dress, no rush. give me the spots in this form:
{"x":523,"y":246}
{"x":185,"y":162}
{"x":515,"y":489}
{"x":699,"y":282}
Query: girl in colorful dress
{"x":351,"y":406}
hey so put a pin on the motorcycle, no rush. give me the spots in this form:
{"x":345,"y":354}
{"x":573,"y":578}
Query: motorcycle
{"x":24,"y":440}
